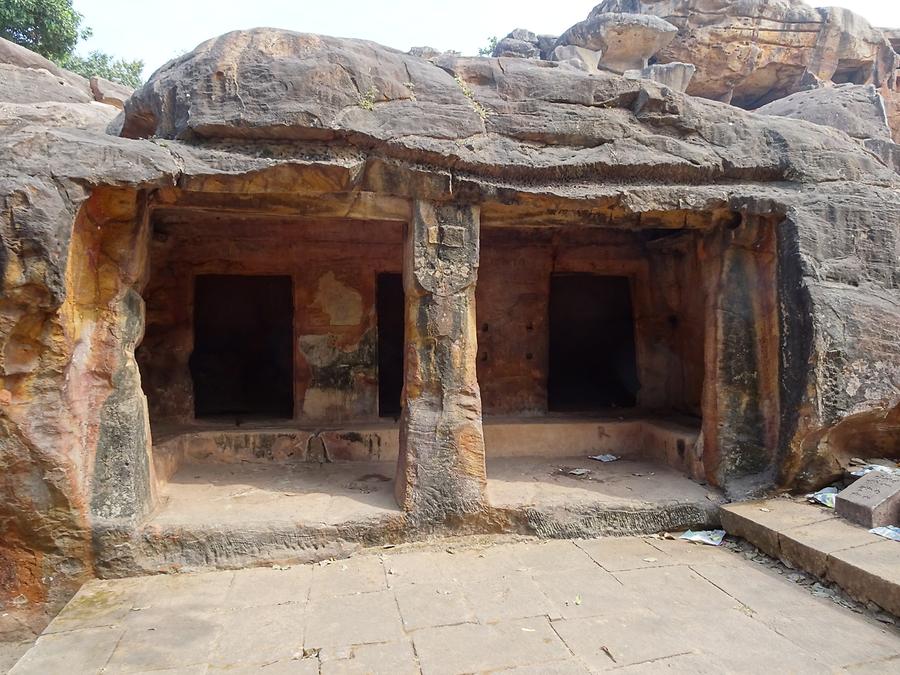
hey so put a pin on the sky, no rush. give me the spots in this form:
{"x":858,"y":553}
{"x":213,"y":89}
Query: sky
{"x":165,"y":29}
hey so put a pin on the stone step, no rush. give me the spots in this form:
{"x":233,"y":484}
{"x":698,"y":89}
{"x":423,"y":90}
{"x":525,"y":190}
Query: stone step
{"x":227,"y":516}
{"x":814,"y":539}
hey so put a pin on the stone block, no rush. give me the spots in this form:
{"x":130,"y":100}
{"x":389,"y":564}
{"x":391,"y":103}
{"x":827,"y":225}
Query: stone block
{"x":869,"y":573}
{"x":809,"y":546}
{"x":872,"y":501}
{"x":759,"y":522}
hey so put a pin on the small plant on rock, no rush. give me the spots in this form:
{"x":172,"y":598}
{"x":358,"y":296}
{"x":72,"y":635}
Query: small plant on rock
{"x":367,"y":100}
{"x":469,"y":94}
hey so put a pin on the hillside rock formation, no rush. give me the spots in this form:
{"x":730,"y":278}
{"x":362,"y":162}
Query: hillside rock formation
{"x":797,"y":225}
{"x":747,"y":53}
{"x":26,"y":77}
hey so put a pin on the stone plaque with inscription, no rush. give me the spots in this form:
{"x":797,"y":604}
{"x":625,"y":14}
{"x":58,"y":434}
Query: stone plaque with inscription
{"x":872,"y":501}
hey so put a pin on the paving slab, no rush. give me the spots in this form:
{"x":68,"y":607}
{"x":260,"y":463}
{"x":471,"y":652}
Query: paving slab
{"x":275,"y":632}
{"x":513,"y":595}
{"x":674,"y":588}
{"x":97,"y":604}
{"x":472,"y":648}
{"x":676,"y":552}
{"x":78,"y":651}
{"x":175,"y":642}
{"x":348,"y":577}
{"x":742,"y":644}
{"x":567,"y":667}
{"x":431,"y":605}
{"x":623,"y":636}
{"x":307,"y":666}
{"x":557,"y":554}
{"x":366,"y":618}
{"x":580,"y":593}
{"x":262,"y":586}
{"x":628,"y":553}
{"x":397,"y":658}
{"x":705,"y":610}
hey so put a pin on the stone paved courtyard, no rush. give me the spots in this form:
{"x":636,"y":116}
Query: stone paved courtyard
{"x":637,"y":605}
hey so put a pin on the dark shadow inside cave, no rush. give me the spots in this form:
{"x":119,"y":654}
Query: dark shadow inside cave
{"x":242,"y":359}
{"x":593,"y":361}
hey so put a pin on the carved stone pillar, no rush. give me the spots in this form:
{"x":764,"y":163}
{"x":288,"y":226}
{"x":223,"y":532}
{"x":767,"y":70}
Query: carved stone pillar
{"x":441,"y":471}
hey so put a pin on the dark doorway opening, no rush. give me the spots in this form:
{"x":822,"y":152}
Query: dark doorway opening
{"x":242,"y":364}
{"x":592,"y":354}
{"x":389,"y":305}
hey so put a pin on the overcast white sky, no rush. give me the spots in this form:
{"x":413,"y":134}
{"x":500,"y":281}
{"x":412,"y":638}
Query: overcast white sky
{"x":162,"y":29}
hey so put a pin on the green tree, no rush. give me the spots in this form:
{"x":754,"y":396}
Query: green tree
{"x":53,"y":28}
{"x":103,"y":65}
{"x":491,"y":46}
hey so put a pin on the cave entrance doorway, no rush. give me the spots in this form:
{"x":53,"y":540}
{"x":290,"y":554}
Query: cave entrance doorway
{"x":593,"y":363}
{"x":389,"y":305}
{"x":242,"y":365}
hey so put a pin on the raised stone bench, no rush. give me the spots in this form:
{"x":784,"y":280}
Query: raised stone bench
{"x":814,"y":539}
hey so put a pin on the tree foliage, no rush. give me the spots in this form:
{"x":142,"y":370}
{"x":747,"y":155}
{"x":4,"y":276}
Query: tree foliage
{"x":103,"y":65}
{"x":491,"y":46}
{"x":53,"y":28}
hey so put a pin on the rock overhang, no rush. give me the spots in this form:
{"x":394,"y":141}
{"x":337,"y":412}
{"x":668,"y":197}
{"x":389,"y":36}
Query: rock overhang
{"x":495,"y":117}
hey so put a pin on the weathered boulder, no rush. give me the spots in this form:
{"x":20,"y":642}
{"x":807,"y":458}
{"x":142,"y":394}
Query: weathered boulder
{"x":30,"y":85}
{"x":511,"y":47}
{"x":627,"y":41}
{"x":577,"y":57}
{"x":27,"y":79}
{"x":676,"y":76}
{"x":893,"y":36}
{"x":888,"y":151}
{"x":111,"y":93}
{"x":857,"y":110}
{"x":752,"y":52}
{"x":425,"y":52}
{"x":92,"y":116}
{"x":15,"y":55}
{"x":522,"y":43}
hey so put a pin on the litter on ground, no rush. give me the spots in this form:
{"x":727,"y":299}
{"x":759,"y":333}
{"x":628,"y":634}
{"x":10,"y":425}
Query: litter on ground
{"x":888,"y":532}
{"x":825,"y":497}
{"x":869,"y":468}
{"x":604,"y":458}
{"x":710,"y":537}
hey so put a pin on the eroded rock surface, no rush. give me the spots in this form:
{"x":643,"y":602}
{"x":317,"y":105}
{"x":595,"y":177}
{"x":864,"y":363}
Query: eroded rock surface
{"x":798,"y":228}
{"x":677,"y":76}
{"x":626,"y":41}
{"x":857,"y":110}
{"x":753,"y":52}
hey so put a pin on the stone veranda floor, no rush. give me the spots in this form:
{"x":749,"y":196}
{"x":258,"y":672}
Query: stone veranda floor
{"x":470,"y":605}
{"x":267,"y":494}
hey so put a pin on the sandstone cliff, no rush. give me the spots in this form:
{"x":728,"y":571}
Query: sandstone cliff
{"x":265,"y":116}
